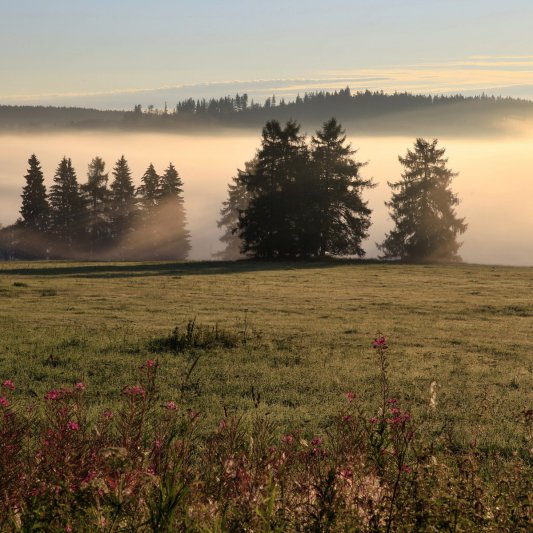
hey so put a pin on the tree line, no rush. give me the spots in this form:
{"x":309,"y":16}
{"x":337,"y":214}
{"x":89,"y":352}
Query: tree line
{"x":297,"y":198}
{"x":98,"y":219}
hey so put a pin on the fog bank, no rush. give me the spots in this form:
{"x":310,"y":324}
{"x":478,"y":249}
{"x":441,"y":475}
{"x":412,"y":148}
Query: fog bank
{"x":495,"y":182}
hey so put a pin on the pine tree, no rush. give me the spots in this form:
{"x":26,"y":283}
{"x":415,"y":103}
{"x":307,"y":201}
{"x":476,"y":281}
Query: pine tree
{"x":123,"y":206}
{"x":164,"y":225}
{"x":237,"y":202}
{"x":422,"y":208}
{"x":68,"y":208}
{"x":341,"y":216}
{"x":271,"y":226}
{"x":97,"y":197}
{"x":149,"y":190}
{"x":35,"y":210}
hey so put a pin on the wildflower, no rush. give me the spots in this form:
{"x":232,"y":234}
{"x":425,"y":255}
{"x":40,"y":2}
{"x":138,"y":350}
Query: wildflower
{"x":107,"y":414}
{"x":79,"y":386}
{"x":380,"y":343}
{"x":73,"y":426}
{"x":346,"y":473}
{"x":288,"y":439}
{"x":4,"y":402}
{"x":346,"y":418}
{"x":136,"y":390}
{"x":8,"y":384}
{"x":374,"y":420}
{"x":407,"y":469}
{"x":68,"y":528}
{"x":392,"y":401}
{"x":350,"y":396}
{"x":54,"y":394}
{"x":171,"y":406}
{"x":317,"y":441}
{"x":150,"y":363}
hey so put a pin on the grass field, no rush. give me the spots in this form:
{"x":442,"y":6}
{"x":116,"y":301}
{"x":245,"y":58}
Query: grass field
{"x":302,"y":333}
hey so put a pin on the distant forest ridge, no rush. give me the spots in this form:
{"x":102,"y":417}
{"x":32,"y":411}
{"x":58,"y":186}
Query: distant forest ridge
{"x":364,"y":112}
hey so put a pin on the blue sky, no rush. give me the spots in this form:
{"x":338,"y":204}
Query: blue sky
{"x":105,"y":51}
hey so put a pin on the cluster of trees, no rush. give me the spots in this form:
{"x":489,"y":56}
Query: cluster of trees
{"x":304,"y":199}
{"x":94,"y":220}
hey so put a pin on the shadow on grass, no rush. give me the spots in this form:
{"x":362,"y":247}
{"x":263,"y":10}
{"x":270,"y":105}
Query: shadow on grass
{"x":141,"y":269}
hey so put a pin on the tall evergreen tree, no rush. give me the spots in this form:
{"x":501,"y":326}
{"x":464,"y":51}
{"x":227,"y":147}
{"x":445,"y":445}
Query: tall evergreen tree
{"x":271,"y":226}
{"x":35,"y":210}
{"x":237,"y":202}
{"x":123,"y":206}
{"x":97,"y":196}
{"x":422,"y":208}
{"x":149,"y":192}
{"x":171,"y":220}
{"x":341,"y":216}
{"x":68,"y":208}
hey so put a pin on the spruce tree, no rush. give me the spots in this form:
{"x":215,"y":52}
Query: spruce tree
{"x":149,"y":192}
{"x":123,"y":207}
{"x":237,"y":202}
{"x":174,"y":237}
{"x":341,"y":216}
{"x":272,"y":224}
{"x":35,"y":210}
{"x":68,"y":208}
{"x":422,"y":208}
{"x":97,"y":196}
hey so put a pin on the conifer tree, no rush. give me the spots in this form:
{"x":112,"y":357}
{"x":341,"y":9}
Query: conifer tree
{"x":237,"y":202}
{"x":35,"y":210}
{"x":149,"y":192}
{"x":272,"y":224}
{"x":341,"y":215}
{"x":422,"y":208}
{"x":68,"y":208}
{"x":97,"y":196}
{"x":174,"y":237}
{"x":123,"y":206}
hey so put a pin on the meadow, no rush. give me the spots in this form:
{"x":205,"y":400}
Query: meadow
{"x":285,"y":342}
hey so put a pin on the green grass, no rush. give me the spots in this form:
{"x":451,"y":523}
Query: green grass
{"x":309,"y":328}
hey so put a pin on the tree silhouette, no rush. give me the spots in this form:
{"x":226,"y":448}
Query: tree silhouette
{"x":35,"y":210}
{"x":343,"y":218}
{"x":422,"y":208}
{"x":271,"y":226}
{"x":237,"y":202}
{"x":123,"y":205}
{"x":68,"y":208}
{"x":98,"y":200}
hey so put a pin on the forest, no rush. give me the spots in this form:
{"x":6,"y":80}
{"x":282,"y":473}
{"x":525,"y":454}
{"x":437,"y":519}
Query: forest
{"x":364,"y":111}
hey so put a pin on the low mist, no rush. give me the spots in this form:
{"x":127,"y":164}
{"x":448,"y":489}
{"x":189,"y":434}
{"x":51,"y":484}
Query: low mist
{"x":495,"y":182}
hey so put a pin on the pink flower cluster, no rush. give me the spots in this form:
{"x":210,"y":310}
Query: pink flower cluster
{"x":135,"y":390}
{"x":8,"y":384}
{"x":4,"y":402}
{"x":171,"y":406}
{"x":380,"y":343}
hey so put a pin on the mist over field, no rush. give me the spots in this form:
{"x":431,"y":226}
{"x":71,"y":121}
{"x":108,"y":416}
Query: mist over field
{"x":495,"y":182}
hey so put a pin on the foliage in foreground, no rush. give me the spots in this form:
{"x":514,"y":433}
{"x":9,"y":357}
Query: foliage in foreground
{"x":144,"y":467}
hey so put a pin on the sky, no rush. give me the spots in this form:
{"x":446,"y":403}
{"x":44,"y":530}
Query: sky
{"x":113,"y":54}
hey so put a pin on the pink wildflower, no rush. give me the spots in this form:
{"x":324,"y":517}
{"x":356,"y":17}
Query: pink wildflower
{"x":54,"y":394}
{"x":392,"y":401}
{"x":347,"y":418}
{"x":107,"y":414}
{"x":407,"y":469}
{"x":380,"y":343}
{"x":79,"y":386}
{"x":317,"y":441}
{"x":68,"y":528}
{"x":73,"y":426}
{"x":136,"y":390}
{"x":171,"y":406}
{"x":374,"y":420}
{"x":288,"y":439}
{"x":4,"y":402}
{"x":8,"y":384}
{"x":350,"y":396}
{"x":150,"y":363}
{"x":346,"y":473}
